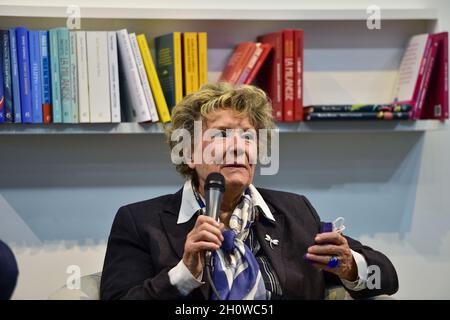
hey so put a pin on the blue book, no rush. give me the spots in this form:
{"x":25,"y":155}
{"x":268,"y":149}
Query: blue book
{"x":23,"y":61}
{"x":2,"y":96}
{"x":15,"y":77}
{"x":54,"y":76}
{"x":65,"y":74}
{"x":35,"y":70}
{"x":45,"y":78}
{"x":7,"y":91}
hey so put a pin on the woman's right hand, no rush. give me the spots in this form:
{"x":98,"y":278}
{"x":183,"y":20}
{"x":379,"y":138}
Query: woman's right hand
{"x":206,"y":235}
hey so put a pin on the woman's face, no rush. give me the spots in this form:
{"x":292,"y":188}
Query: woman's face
{"x":229,"y":146}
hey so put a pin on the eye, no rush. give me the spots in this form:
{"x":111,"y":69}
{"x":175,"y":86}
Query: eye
{"x":248,"y":135}
{"x":219,"y":134}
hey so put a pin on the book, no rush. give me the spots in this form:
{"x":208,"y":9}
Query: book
{"x":169,"y":67}
{"x":190,"y":62}
{"x":266,"y":48}
{"x":298,"y":74}
{"x":46,"y":94}
{"x":251,"y":63}
{"x":436,"y":98}
{"x":132,"y":94}
{"x":143,"y":76}
{"x":237,"y":62}
{"x":65,"y":75}
{"x":202,"y":58}
{"x":158,"y":94}
{"x":74,"y":77}
{"x":114,"y":86}
{"x":391,"y":107}
{"x":23,"y":60}
{"x":288,"y":75}
{"x":380,"y":115}
{"x":271,"y":76}
{"x":54,"y":76}
{"x":7,"y":83}
{"x":15,"y":77}
{"x":35,"y":73}
{"x":98,"y":75}
{"x":2,"y":92}
{"x":83,"y":86}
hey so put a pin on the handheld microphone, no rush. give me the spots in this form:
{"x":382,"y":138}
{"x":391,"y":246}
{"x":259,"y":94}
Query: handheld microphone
{"x":214,"y":189}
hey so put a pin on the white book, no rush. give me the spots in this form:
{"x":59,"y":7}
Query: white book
{"x":74,"y":75}
{"x":136,"y":108}
{"x":114,"y":77}
{"x":98,"y":70}
{"x":411,"y":68}
{"x":144,"y":79}
{"x":83,"y":82}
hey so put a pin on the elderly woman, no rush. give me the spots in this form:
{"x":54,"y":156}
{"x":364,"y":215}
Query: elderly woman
{"x":156,"y":247}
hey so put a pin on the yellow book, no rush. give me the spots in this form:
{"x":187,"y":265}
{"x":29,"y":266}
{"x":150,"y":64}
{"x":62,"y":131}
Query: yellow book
{"x":190,"y":62}
{"x":155,"y":85}
{"x":202,"y":58}
{"x":178,"y":66}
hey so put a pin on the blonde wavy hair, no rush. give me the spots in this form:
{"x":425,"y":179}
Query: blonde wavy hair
{"x":245,"y":100}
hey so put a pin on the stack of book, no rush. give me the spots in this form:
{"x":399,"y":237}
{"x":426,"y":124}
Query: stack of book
{"x":276,"y":61}
{"x":62,"y":76}
{"x":421,"y":90}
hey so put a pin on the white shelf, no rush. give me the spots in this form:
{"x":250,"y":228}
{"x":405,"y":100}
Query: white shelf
{"x":144,"y":12}
{"x":302,"y":127}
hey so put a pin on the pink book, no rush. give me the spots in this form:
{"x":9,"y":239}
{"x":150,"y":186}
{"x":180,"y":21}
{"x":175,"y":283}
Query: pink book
{"x":436,"y":99}
{"x":298,"y":75}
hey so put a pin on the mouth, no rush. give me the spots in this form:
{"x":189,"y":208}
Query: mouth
{"x":235,"y":166}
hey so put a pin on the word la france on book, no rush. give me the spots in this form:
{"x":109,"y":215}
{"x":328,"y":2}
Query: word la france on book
{"x":194,"y":310}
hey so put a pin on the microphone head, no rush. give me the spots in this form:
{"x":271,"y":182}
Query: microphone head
{"x":215,"y":180}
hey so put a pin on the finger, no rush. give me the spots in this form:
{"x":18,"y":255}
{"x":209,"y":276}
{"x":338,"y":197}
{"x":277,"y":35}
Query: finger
{"x":330,"y":237}
{"x":203,"y":246}
{"x":326,"y":249}
{"x":318,"y":258}
{"x":213,"y":229}
{"x":205,"y":235}
{"x":201,"y":219}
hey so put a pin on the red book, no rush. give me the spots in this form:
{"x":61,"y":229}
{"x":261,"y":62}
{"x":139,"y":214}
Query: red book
{"x":271,"y":75}
{"x":250,"y":64}
{"x":46,"y":113}
{"x":288,"y":75}
{"x":436,"y":100}
{"x":259,"y":63}
{"x":235,"y":64}
{"x":298,"y":75}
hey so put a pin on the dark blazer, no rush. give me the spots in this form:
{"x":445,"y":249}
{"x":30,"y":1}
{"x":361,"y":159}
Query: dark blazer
{"x":146,"y":242}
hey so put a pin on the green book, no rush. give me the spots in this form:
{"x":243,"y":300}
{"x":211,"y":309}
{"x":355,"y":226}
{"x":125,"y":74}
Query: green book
{"x":55,"y":83}
{"x":65,"y":75}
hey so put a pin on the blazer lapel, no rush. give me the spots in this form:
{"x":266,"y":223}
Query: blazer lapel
{"x":266,"y":228}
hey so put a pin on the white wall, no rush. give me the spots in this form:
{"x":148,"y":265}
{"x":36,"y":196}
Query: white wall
{"x":56,"y":207}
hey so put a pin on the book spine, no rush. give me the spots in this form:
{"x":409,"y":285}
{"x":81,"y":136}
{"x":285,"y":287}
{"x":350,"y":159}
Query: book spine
{"x":242,"y":63}
{"x":45,"y":78}
{"x":35,"y":80}
{"x":15,"y":77}
{"x":54,"y":76}
{"x":23,"y":59}
{"x":298,"y":74}
{"x":359,"y":108}
{"x":381,"y":115}
{"x":64,"y":74}
{"x":7,"y":85}
{"x":251,"y":64}
{"x":163,"y":110}
{"x":190,"y":62}
{"x":99,"y":96}
{"x":288,"y":75}
{"x":265,"y":53}
{"x":202,"y":58}
{"x":114,"y":77}
{"x":143,"y":76}
{"x":425,"y":81}
{"x":137,"y":109}
{"x":2,"y":92}
{"x":272,"y":77}
{"x":74,"y":77}
{"x":444,"y":51}
{"x":178,"y":66}
{"x":83,"y":86}
{"x":423,"y":64}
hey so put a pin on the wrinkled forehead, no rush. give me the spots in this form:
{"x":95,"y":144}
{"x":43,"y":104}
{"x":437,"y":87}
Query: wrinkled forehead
{"x":228,"y":119}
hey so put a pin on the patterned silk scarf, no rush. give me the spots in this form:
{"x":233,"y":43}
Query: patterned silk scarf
{"x":236,"y":273}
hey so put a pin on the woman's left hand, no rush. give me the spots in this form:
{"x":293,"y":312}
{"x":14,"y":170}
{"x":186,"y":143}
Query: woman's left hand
{"x":329,"y":244}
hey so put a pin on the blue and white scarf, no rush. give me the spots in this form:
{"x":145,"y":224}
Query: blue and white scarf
{"x":236,"y":273}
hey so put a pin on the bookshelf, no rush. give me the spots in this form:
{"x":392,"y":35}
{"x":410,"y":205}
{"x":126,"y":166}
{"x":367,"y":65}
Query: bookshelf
{"x":158,"y":128}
